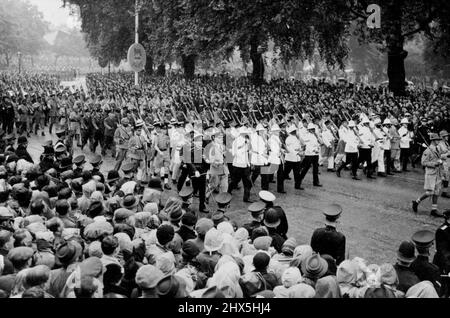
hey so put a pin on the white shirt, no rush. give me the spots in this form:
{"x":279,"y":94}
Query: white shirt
{"x":293,"y":146}
{"x":351,"y":141}
{"x":312,"y":145}
{"x":240,"y":152}
{"x":387,"y":140}
{"x":259,"y":150}
{"x":275,"y":150}
{"x":367,"y":137}
{"x":327,"y":138}
{"x":405,"y":137}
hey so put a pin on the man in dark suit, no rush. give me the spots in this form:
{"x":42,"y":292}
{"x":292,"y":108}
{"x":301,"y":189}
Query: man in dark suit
{"x":423,"y":240}
{"x":328,"y":240}
{"x":22,"y":151}
{"x":442,"y":256}
{"x":406,"y":276}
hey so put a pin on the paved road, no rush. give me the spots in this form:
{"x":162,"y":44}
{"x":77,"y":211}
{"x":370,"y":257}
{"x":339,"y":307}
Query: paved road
{"x":377,"y":213}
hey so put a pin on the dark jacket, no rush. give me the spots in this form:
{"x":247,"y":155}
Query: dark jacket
{"x":427,"y":271}
{"x":251,"y":226}
{"x":329,"y":241}
{"x":406,"y":277}
{"x":186,"y":233}
{"x":442,"y":256}
{"x":277,"y":240}
{"x":22,"y":153}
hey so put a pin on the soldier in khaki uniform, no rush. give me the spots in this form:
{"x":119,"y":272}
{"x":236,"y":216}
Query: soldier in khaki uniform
{"x":162,"y":158}
{"x":432,"y":160}
{"x":122,"y":137}
{"x":138,"y":149}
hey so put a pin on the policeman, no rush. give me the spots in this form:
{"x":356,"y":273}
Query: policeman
{"x":47,"y":158}
{"x":96,"y":163}
{"x":268,"y":199}
{"x":79,"y":162}
{"x":442,"y":256}
{"x":257,"y":212}
{"x":272,"y":222}
{"x":128,"y":169}
{"x":423,"y":240}
{"x":186,"y":195}
{"x":22,"y":151}
{"x":328,"y":240}
{"x":223,"y":201}
{"x":65,"y":164}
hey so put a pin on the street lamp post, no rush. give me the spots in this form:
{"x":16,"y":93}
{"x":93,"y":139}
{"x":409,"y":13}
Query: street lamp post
{"x":138,"y":7}
{"x":20,"y":61}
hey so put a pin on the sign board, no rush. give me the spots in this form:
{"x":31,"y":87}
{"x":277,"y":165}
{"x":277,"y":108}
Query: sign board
{"x":137,"y":57}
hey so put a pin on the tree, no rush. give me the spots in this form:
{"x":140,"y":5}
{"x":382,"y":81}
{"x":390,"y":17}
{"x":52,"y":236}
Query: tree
{"x":22,"y":29}
{"x":401,"y":20}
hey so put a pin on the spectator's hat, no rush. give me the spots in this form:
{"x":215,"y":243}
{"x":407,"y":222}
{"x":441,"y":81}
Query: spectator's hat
{"x":405,"y":252}
{"x":271,"y":218}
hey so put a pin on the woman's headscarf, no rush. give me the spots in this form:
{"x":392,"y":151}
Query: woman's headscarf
{"x":97,"y":196}
{"x":166,"y":263}
{"x":226,"y":279}
{"x":423,"y":289}
{"x":230,"y":246}
{"x":291,"y":276}
{"x":301,"y":291}
{"x":142,"y":219}
{"x":327,"y":287}
{"x":225,"y":228}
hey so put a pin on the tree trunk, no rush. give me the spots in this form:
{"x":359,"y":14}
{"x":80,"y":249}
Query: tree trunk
{"x":149,"y":66}
{"x":188,"y":64}
{"x":161,"y":70}
{"x":396,"y":53}
{"x":258,"y":63}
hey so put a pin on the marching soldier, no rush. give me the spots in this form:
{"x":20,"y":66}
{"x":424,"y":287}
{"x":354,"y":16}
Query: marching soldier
{"x":241,"y":164}
{"x":352,"y":142}
{"x":328,"y":240}
{"x":138,"y":150}
{"x":366,"y":145}
{"x":328,"y":146}
{"x":444,"y":149}
{"x":380,"y":139}
{"x":162,"y":159}
{"x":259,"y":156}
{"x":275,"y":156}
{"x":218,"y":171}
{"x":433,"y":162}
{"x":423,"y":240}
{"x":387,"y":146}
{"x":406,"y":137}
{"x":312,"y":150}
{"x":293,"y":156}
{"x":257,"y":212}
{"x":122,"y":137}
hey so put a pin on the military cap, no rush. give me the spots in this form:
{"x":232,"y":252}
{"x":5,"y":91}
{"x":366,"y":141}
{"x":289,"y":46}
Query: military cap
{"x":128,"y":168}
{"x":423,"y":238}
{"x":257,"y":207}
{"x":434,"y":136}
{"x":79,"y":160}
{"x":96,"y":160}
{"x":20,"y":254}
{"x":60,"y":131}
{"x":332,"y":212}
{"x":267,"y":196}
{"x":186,"y":193}
{"x":218,"y":217}
{"x":60,"y":148}
{"x":223,"y":198}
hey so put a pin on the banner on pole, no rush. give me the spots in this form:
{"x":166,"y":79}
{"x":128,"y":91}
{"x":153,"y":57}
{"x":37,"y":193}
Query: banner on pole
{"x":137,"y":57}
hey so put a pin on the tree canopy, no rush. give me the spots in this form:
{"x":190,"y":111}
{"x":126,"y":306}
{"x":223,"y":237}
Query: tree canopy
{"x":22,"y":29}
